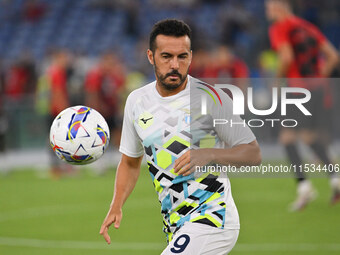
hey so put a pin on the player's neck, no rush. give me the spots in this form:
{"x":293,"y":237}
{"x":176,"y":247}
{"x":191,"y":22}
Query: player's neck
{"x":166,"y":93}
{"x":284,"y":15}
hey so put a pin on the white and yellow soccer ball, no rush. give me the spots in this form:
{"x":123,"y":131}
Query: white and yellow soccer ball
{"x":79,"y":135}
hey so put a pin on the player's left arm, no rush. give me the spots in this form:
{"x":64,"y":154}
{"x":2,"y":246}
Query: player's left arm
{"x":331,"y":57}
{"x":286,"y":57}
{"x":280,"y":41}
{"x":239,"y":155}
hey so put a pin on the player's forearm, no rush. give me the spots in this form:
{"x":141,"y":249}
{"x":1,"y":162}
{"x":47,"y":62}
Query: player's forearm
{"x":329,"y":66}
{"x":286,"y":58}
{"x":282,"y":69}
{"x":126,"y":178}
{"x":93,"y":99}
{"x":241,"y":155}
{"x":59,"y":100}
{"x":332,"y":59}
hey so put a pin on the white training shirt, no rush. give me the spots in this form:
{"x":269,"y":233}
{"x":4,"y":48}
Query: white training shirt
{"x":164,"y":128}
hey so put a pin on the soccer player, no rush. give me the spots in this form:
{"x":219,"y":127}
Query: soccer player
{"x":221,"y":62}
{"x":199,"y":214}
{"x":299,"y":45}
{"x":57,"y":76}
{"x":3,"y":120}
{"x":104,"y":85}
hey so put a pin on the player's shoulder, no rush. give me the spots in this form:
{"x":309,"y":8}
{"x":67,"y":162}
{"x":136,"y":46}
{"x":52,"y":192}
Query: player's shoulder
{"x":138,"y":93}
{"x":195,"y":82}
{"x":204,"y":86}
{"x":201,"y":88}
{"x":298,"y":22}
{"x":285,"y":24}
{"x":54,"y":70}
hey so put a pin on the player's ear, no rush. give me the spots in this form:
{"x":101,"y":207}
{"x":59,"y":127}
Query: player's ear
{"x":190,"y":56}
{"x":150,"y":56}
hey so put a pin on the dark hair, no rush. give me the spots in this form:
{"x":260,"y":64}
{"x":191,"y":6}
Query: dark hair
{"x":172,"y":27}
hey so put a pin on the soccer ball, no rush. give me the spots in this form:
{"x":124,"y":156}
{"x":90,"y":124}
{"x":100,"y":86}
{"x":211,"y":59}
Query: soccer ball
{"x":79,"y":135}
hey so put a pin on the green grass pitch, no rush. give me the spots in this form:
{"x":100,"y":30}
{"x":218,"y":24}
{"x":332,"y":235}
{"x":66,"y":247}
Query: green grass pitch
{"x":45,"y":216}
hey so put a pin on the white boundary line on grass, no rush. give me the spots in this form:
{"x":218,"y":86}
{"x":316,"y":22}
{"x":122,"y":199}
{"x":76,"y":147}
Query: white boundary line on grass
{"x":42,"y":211}
{"x":64,"y":209}
{"x":62,"y":244}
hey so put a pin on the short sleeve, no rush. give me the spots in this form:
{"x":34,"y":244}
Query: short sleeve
{"x":317,"y":34}
{"x":240,"y":69}
{"x":58,"y":79}
{"x":234,"y":130}
{"x":93,"y":81}
{"x":130,"y":143}
{"x":278,"y":35}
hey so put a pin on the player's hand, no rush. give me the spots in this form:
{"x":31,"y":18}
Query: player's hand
{"x":187,"y":163}
{"x":114,"y":216}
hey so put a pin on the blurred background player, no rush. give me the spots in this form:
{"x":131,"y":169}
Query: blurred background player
{"x":220,"y":62}
{"x":299,"y":45}
{"x":19,"y":86}
{"x":104,"y":86}
{"x":57,"y":78}
{"x":3,"y":120}
{"x":104,"y":89}
{"x":228,"y":66}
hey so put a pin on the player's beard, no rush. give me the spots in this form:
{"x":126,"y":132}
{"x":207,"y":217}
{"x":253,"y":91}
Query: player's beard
{"x":170,"y":86}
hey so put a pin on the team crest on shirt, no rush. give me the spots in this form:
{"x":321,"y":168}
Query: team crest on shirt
{"x":145,"y":120}
{"x":187,"y":116}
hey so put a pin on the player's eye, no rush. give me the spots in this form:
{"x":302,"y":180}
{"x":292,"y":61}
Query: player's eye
{"x":165,"y":56}
{"x":184,"y":56}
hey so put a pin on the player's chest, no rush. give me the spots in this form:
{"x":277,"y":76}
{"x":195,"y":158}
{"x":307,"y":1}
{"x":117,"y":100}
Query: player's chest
{"x":157,"y":123}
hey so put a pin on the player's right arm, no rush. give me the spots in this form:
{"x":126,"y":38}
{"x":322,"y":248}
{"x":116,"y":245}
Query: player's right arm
{"x":331,"y":58}
{"x":126,"y":177}
{"x":285,"y":59}
{"x":280,"y":42}
{"x":93,"y":97}
{"x":59,"y":83}
{"x":128,"y":168}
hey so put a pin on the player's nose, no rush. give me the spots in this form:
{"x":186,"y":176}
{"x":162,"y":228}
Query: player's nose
{"x":174,"y":64}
